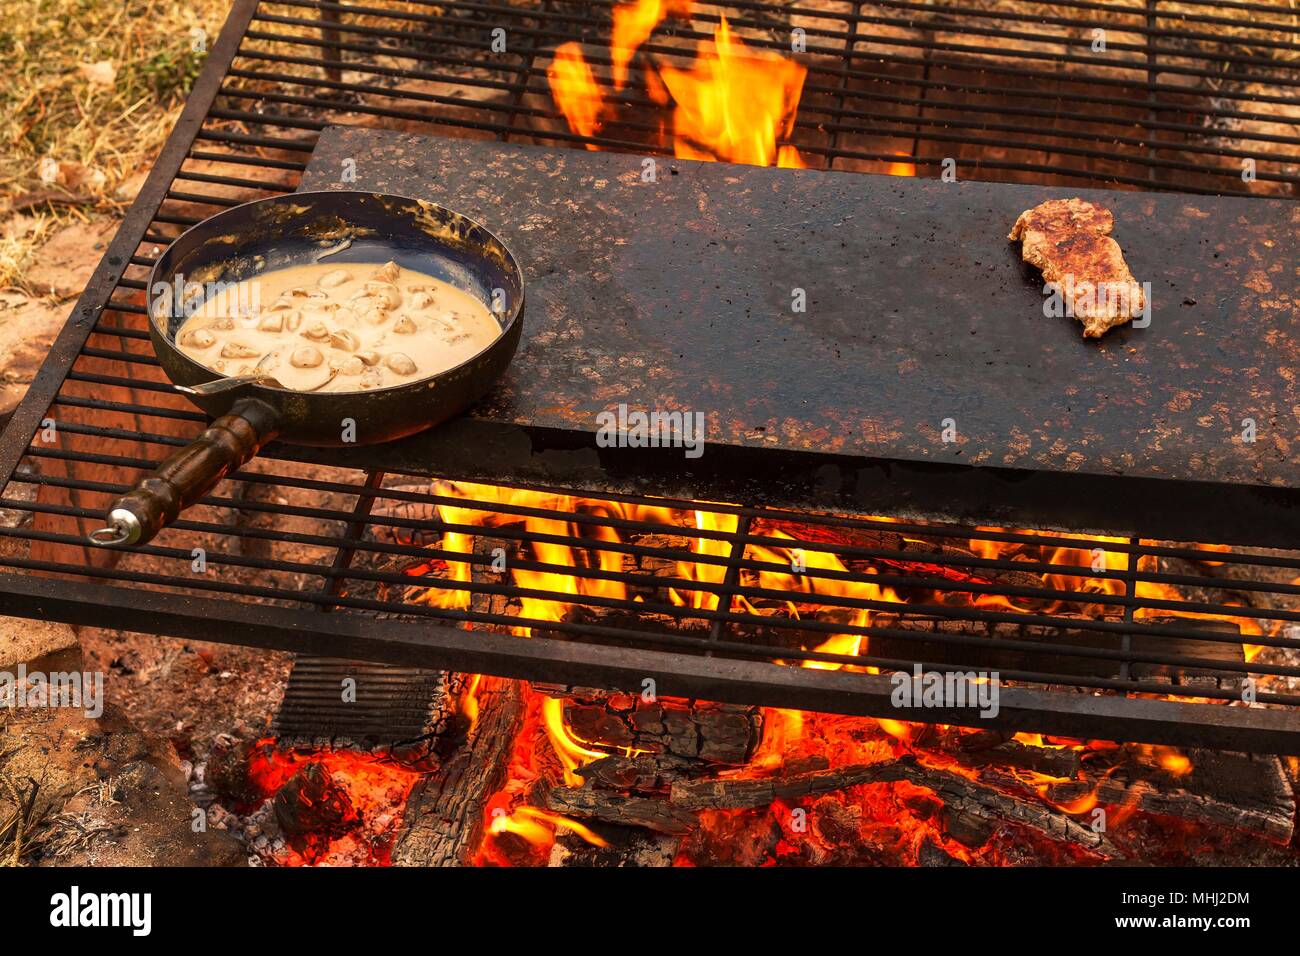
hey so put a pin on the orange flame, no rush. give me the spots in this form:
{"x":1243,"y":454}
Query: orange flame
{"x":539,"y":826}
{"x":735,"y":103}
{"x":902,"y":168}
{"x":805,"y":559}
{"x":633,"y":24}
{"x":572,"y":752}
{"x":574,"y":89}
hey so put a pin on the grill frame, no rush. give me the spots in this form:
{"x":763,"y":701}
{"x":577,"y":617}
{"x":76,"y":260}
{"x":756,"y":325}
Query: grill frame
{"x":709,"y":675}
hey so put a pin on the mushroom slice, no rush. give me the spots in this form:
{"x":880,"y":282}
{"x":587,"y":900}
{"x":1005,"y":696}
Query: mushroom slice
{"x":385,"y":293}
{"x":375,"y":315}
{"x":236,"y":350}
{"x":344,"y":340}
{"x":293,"y":320}
{"x":271,"y":323}
{"x":199,"y":339}
{"x":306,"y":357}
{"x":400,"y":363}
{"x":369,"y":356}
{"x":404,"y":325}
{"x":421,"y":300}
{"x":447,"y":321}
{"x":371,"y":378}
{"x":223,"y":324}
{"x":334,"y":278}
{"x":317,"y":331}
{"x":388,"y":272}
{"x":351,"y":366}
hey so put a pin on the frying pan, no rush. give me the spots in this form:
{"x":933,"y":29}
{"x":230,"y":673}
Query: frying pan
{"x":335,"y":227}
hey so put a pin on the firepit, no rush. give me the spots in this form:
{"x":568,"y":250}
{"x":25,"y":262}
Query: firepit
{"x":896,"y":475}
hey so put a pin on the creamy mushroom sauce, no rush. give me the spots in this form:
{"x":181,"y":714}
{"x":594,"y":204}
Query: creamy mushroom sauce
{"x":338,"y":328}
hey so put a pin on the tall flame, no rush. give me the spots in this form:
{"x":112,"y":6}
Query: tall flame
{"x":575,"y":91}
{"x":734,"y":103}
{"x":633,"y":24}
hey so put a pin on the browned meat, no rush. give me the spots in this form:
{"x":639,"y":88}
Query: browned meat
{"x":1069,"y":240}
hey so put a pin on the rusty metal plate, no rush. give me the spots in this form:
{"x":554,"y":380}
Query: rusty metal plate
{"x":678,"y":294}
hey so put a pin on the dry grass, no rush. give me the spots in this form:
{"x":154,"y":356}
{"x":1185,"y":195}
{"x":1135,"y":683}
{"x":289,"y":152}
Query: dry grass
{"x":89,"y":90}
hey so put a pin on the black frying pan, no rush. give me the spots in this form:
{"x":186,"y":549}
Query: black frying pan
{"x":269,"y":234}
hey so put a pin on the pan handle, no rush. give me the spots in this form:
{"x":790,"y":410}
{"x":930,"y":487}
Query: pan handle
{"x":188,"y":474}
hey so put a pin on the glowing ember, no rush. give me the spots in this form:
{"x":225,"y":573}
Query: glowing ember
{"x":366,"y":797}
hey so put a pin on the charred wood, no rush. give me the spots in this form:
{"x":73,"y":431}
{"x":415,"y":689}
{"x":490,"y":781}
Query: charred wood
{"x":1247,"y":792}
{"x":679,"y":730}
{"x":444,"y":818}
{"x":959,"y":795}
{"x":658,"y":815}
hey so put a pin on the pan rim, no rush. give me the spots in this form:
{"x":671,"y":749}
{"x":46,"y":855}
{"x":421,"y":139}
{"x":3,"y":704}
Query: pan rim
{"x":427,"y":381}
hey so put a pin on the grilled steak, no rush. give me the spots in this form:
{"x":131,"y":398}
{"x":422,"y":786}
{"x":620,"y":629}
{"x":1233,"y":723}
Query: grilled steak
{"x":1069,"y":240}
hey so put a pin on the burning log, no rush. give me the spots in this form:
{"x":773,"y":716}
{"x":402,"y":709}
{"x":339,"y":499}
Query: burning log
{"x":645,"y":773}
{"x":920,"y":557}
{"x":1248,"y":792}
{"x":661,"y":816}
{"x":643,"y":848}
{"x":445,"y":817}
{"x":1051,"y":761}
{"x":959,"y":794}
{"x":691,"y":731}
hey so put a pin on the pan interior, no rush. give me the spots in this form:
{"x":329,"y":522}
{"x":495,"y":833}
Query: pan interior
{"x":332,"y":228}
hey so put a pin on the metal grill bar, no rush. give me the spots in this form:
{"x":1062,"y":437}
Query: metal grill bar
{"x":1152,"y":160}
{"x":725,"y":587}
{"x":710,"y":580}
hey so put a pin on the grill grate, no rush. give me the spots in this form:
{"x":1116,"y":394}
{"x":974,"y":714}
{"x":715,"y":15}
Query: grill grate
{"x":700,"y":596}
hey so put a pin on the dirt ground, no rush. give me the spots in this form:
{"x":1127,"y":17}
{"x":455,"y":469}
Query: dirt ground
{"x":112,"y":790}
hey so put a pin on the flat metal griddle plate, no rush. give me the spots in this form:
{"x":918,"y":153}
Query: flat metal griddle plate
{"x":678,"y":294}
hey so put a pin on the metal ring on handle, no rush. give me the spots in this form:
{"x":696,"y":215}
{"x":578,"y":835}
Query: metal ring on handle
{"x":123,"y":528}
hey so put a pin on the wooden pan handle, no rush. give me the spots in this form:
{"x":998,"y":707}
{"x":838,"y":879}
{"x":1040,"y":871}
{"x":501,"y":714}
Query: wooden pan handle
{"x":188,"y":474}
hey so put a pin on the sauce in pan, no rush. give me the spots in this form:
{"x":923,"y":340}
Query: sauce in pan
{"x":338,"y":328}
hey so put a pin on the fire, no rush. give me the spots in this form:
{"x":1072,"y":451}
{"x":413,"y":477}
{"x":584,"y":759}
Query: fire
{"x":705,"y":573}
{"x":574,"y":88}
{"x":902,"y":168}
{"x":633,"y":24}
{"x":801,"y":561}
{"x":734,"y":103}
{"x":571,"y":751}
{"x":1173,"y":761}
{"x":574,"y":554}
{"x":539,"y":826}
{"x":795,"y":564}
{"x":375,"y":791}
